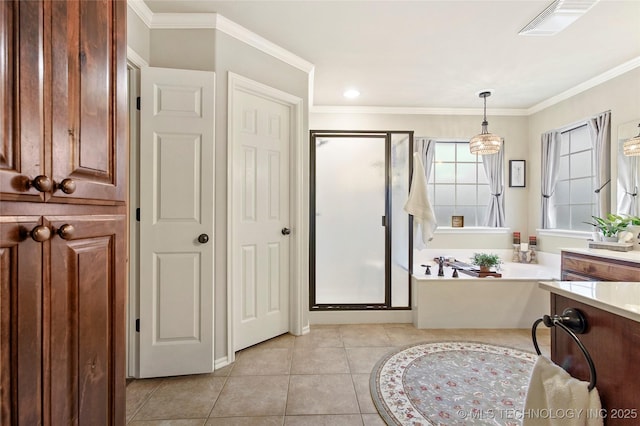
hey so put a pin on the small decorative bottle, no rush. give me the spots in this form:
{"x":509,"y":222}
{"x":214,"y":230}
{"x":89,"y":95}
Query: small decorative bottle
{"x":533,"y":243}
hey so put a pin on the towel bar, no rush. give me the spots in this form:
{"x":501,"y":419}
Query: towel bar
{"x":571,"y":321}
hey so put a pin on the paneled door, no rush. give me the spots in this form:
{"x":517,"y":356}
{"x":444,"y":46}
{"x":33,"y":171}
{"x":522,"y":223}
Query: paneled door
{"x":260,"y":132}
{"x":21,"y":240}
{"x":87,"y":295}
{"x":88,"y":162}
{"x":176,"y":222}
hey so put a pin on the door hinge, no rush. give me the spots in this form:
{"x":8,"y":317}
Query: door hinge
{"x":138,"y":214}
{"x":138,"y":325}
{"x":138,"y":103}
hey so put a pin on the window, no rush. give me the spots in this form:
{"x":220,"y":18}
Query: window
{"x":574,"y":198}
{"x":458,"y":184}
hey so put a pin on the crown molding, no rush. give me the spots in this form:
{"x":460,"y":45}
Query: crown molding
{"x":175,"y":21}
{"x":329,"y":109}
{"x":254,"y":40}
{"x":135,"y":58}
{"x":140,"y":8}
{"x":220,"y":23}
{"x":582,"y":87}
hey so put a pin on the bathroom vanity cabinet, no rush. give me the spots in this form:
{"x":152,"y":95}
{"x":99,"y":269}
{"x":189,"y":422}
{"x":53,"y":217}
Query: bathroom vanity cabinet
{"x":584,"y":266}
{"x":606,"y":291}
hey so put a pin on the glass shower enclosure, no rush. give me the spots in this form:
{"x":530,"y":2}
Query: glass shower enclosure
{"x":360,"y":238}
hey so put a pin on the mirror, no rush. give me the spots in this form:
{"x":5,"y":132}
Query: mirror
{"x":628,"y":198}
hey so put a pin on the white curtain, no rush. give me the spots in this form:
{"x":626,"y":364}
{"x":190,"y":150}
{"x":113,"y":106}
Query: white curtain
{"x":599,"y":129}
{"x":550,"y":164}
{"x":627,"y":184}
{"x":427,"y":149}
{"x":494,"y":168}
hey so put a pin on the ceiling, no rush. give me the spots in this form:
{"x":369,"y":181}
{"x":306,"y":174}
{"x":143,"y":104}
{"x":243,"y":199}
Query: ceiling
{"x":436,"y":54}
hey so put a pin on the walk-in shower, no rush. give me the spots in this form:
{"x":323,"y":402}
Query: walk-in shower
{"x":360,"y":239}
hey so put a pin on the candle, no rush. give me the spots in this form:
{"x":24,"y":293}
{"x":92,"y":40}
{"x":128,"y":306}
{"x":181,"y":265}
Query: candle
{"x":524,"y":247}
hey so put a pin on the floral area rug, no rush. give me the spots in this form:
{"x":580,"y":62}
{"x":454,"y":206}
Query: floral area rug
{"x":452,"y":383}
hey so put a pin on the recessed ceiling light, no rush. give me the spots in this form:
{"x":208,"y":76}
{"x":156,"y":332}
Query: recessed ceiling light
{"x":351,"y":93}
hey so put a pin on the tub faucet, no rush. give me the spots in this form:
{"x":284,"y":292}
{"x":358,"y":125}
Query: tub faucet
{"x":441,"y":266}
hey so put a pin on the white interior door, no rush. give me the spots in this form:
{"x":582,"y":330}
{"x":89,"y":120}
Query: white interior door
{"x":260,"y":127}
{"x":176,"y":222}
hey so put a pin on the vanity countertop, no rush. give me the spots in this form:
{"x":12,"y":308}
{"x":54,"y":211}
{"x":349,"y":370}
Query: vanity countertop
{"x":628,"y":256}
{"x":620,"y":298}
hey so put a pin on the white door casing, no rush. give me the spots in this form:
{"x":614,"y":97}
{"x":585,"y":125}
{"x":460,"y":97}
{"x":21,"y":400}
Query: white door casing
{"x":176,"y":207}
{"x":263,"y":125}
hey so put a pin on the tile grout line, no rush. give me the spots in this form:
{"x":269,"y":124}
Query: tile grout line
{"x":135,"y":413}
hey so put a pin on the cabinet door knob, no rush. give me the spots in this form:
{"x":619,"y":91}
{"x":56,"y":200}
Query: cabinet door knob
{"x":66,"y":231}
{"x":68,"y":186}
{"x":285,"y":231}
{"x":203,"y":238}
{"x":40,"y":233}
{"x":41,"y":183}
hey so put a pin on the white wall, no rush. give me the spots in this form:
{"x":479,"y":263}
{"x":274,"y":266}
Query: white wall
{"x":513,"y":129}
{"x":211,"y":50}
{"x":138,"y":35}
{"x":620,"y":95}
{"x":522,"y":141}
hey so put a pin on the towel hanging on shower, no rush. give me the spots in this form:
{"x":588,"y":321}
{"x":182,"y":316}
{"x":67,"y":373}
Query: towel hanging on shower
{"x":418,"y":205}
{"x":554,"y":398}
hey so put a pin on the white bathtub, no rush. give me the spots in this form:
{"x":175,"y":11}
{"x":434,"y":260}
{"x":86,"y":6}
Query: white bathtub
{"x":513,"y":301}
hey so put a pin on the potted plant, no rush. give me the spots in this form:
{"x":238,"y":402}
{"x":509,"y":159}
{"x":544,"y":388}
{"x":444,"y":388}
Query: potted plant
{"x":485,"y":260}
{"x":610,"y":225}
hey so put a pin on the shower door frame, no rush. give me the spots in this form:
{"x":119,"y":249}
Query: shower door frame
{"x":387,"y":134}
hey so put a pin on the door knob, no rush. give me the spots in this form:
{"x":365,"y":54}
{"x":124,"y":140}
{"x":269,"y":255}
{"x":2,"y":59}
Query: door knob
{"x":66,"y":231}
{"x":203,"y":238}
{"x":286,"y":231}
{"x":41,"y":183}
{"x":40,"y":233}
{"x":68,"y":186}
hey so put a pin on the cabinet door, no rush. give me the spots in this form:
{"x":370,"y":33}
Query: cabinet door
{"x":87,"y":320}
{"x":88,"y":100}
{"x":21,"y":114}
{"x":20,"y":322}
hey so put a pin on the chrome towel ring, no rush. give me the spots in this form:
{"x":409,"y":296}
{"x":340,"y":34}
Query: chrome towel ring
{"x":571,"y":321}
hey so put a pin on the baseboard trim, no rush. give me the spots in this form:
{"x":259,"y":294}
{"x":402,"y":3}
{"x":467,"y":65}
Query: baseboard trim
{"x":360,"y":317}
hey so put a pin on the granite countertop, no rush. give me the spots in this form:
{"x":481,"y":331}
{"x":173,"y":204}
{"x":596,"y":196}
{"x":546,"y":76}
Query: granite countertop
{"x":619,"y":298}
{"x":629,"y":256}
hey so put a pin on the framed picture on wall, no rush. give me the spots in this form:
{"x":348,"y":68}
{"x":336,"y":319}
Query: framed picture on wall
{"x":517,"y":173}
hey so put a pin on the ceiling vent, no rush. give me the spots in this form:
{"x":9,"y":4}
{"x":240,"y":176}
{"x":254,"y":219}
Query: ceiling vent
{"x":557,"y":16}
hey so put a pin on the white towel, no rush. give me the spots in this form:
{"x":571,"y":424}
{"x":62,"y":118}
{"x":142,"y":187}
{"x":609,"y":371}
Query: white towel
{"x":418,"y":204}
{"x":554,"y":398}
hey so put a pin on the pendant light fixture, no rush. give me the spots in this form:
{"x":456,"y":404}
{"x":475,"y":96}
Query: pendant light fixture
{"x":631,"y":147}
{"x":485,"y":142}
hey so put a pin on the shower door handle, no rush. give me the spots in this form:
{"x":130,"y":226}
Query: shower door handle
{"x":384,"y":221}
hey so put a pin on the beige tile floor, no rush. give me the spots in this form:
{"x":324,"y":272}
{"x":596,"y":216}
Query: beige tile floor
{"x":318,"y":379}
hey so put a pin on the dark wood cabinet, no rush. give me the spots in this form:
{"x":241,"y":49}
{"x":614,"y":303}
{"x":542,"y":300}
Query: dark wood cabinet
{"x":584,"y":267}
{"x":87,"y":69}
{"x":22,"y":147}
{"x":87,"y":255}
{"x":611,"y":340}
{"x":20,"y":321}
{"x":63,"y":189}
{"x":63,"y":100}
